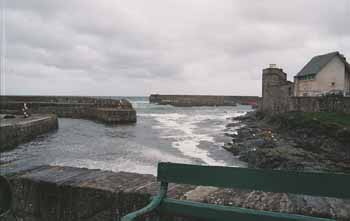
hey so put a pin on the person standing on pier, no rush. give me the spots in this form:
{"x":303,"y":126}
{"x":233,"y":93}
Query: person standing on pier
{"x":25,"y":110}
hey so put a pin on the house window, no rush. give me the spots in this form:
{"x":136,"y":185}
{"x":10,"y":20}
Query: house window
{"x":290,"y":91}
{"x":308,"y":77}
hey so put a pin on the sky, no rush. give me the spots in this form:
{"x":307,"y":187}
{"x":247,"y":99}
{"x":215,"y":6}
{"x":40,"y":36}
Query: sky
{"x":139,"y":47}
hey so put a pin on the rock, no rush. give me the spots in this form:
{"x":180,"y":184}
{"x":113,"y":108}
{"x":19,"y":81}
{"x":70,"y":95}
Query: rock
{"x":267,"y":143}
{"x":288,"y":144}
{"x":281,"y":158}
{"x":200,"y":193}
{"x":234,"y":124}
{"x":9,"y":116}
{"x":280,"y":202}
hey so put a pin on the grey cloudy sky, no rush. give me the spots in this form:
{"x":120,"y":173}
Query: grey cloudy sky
{"x":138,"y":47}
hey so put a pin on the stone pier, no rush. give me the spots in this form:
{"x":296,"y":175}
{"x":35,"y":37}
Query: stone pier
{"x":94,"y":108}
{"x":203,"y":100}
{"x":17,"y":130}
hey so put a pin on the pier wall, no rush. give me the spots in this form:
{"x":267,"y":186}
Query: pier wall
{"x":57,"y":193}
{"x":65,"y":193}
{"x":20,"y":130}
{"x":99,"y":109}
{"x":202,"y":100}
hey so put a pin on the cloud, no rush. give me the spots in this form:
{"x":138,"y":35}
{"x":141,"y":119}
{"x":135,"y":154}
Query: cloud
{"x":118,"y":47}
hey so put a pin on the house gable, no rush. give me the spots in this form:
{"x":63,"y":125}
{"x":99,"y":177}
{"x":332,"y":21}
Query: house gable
{"x":331,"y":76}
{"x":323,"y":74}
{"x":317,"y":63}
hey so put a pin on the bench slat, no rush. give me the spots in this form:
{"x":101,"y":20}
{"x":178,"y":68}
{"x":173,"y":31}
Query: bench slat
{"x":317,"y":184}
{"x":211,"y":212}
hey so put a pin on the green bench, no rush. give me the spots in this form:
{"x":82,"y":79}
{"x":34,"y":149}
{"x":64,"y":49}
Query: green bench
{"x":314,"y":184}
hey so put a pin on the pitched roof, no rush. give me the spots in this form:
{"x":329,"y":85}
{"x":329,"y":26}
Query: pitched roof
{"x":318,"y":62}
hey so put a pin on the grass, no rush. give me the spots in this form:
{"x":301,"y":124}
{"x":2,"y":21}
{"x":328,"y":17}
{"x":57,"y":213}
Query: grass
{"x":332,"y":125}
{"x":329,"y":118}
{"x":321,"y":122}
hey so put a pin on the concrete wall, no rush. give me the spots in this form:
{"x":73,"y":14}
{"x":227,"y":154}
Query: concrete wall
{"x":202,"y":100}
{"x":53,"y":193}
{"x":118,"y":111}
{"x":308,"y":104}
{"x":320,"y":104}
{"x":22,"y":131}
{"x":333,"y":72}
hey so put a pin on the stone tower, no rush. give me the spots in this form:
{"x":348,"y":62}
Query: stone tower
{"x":273,"y":79}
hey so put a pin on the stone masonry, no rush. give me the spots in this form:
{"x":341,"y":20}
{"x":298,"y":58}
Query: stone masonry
{"x":70,"y":194}
{"x":19,"y":129}
{"x":278,"y":97}
{"x":202,"y":100}
{"x":99,"y":109}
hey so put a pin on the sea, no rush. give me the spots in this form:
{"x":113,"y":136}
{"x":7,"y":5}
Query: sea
{"x":163,"y":133}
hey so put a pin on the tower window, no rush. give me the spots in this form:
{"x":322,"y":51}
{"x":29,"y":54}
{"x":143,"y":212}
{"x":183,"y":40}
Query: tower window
{"x":333,"y":83}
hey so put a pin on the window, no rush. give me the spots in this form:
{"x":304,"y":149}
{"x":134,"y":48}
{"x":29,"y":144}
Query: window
{"x":308,"y":77}
{"x":333,"y":84}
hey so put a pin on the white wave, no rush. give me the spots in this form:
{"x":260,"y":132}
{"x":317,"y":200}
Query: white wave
{"x":183,"y":129}
{"x":118,"y":165}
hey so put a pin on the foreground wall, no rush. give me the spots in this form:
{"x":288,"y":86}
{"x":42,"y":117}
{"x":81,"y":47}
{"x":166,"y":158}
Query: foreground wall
{"x":202,"y":100}
{"x":65,"y":193}
{"x":100,"y":109}
{"x":54,"y":193}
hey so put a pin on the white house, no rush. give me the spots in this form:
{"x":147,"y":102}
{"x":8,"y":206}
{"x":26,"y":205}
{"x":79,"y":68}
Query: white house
{"x":328,"y":73}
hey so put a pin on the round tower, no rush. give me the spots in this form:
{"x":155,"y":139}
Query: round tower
{"x":272,"y":77}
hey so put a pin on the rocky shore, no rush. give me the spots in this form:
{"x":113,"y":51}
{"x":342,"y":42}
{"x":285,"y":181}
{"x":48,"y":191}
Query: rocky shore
{"x":288,"y":142}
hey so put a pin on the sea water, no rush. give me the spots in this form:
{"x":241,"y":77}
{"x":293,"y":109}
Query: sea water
{"x":193,"y":135}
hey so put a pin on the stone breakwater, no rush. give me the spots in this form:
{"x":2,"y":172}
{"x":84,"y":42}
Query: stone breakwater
{"x":99,"y":109}
{"x":202,"y":100}
{"x":66,"y":193}
{"x":18,"y":130}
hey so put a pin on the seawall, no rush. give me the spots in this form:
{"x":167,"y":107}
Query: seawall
{"x":202,"y":100}
{"x":18,"y":130}
{"x":57,"y":193}
{"x":307,"y":104}
{"x":99,"y":109}
{"x":65,"y":193}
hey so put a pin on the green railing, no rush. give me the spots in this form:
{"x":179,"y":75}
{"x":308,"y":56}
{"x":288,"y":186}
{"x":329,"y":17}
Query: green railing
{"x":314,"y":184}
